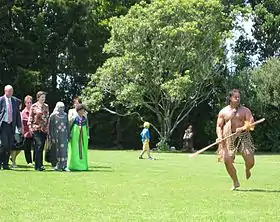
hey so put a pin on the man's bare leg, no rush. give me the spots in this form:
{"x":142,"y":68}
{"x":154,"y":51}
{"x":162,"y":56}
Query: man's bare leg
{"x":149,"y":153}
{"x":220,"y":154}
{"x":232,"y":172}
{"x":141,"y":154}
{"x":249,"y":162}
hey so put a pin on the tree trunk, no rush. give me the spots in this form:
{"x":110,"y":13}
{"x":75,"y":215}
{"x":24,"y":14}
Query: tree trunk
{"x":118,"y":133}
{"x":54,"y":82}
{"x":165,"y":132}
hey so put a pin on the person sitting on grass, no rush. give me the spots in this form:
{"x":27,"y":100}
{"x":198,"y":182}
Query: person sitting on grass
{"x":145,"y":137}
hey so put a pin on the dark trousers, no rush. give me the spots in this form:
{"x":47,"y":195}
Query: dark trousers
{"x":7,"y":138}
{"x":39,"y":140}
{"x":27,"y":149}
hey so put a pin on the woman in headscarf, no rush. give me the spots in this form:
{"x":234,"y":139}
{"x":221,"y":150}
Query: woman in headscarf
{"x":58,"y":135}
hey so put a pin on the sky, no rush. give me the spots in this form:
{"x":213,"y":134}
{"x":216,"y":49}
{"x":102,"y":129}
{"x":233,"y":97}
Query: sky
{"x":247,"y":25}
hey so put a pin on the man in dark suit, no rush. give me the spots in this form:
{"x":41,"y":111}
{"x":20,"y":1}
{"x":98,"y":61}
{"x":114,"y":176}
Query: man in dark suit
{"x":9,"y":119}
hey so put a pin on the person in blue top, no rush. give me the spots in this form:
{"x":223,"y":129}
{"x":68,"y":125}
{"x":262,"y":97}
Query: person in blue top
{"x":145,"y":137}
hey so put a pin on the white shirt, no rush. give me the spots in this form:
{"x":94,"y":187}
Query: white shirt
{"x":7,"y":108}
{"x":72,"y":114}
{"x":17,"y":131}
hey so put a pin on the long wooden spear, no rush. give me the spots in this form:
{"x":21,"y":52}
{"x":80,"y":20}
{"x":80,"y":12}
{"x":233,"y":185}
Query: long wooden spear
{"x":217,"y":142}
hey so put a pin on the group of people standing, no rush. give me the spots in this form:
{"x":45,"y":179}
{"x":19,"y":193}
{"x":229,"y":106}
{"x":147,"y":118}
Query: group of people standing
{"x":66,"y":136}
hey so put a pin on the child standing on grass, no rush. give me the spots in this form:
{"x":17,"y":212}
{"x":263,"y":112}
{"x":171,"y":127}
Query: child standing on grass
{"x":145,"y":137}
{"x":78,"y":144}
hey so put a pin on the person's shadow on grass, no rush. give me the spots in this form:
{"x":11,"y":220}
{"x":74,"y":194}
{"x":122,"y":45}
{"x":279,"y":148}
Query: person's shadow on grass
{"x":258,"y":190}
{"x":91,"y":169}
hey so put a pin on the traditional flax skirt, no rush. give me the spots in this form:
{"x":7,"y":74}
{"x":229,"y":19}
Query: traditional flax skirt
{"x":241,"y":142}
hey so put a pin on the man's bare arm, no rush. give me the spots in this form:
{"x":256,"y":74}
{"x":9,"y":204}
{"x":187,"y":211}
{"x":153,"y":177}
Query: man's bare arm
{"x":220,"y":125}
{"x":248,"y":119}
{"x":249,"y":116}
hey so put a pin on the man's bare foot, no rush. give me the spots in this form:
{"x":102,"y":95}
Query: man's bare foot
{"x":235,"y":186}
{"x":248,"y":173}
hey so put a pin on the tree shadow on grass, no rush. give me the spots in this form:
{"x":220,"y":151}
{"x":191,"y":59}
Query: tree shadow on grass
{"x":258,"y":190}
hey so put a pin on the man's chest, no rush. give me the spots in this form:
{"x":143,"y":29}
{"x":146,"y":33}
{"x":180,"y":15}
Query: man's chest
{"x":235,"y":115}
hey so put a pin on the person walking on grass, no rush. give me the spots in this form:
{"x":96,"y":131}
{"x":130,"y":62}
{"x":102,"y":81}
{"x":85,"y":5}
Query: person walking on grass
{"x":78,"y":143}
{"x":28,"y":141}
{"x":38,"y":126}
{"x":58,"y":135}
{"x":18,"y":141}
{"x":235,"y":118}
{"x":145,"y":138}
{"x":72,"y":113}
{"x":9,"y":119}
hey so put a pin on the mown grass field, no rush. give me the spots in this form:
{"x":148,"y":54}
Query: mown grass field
{"x":119,"y":187}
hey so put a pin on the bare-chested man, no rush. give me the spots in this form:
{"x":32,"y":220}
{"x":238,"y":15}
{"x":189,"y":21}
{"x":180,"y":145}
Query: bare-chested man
{"x":233,"y":118}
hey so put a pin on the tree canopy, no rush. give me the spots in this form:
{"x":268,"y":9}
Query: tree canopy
{"x":162,"y":61}
{"x":164,"y":57}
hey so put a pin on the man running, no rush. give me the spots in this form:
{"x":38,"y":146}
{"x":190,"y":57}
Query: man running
{"x":235,"y":118}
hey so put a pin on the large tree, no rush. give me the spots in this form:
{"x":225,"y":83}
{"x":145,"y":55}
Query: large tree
{"x":54,"y":44}
{"x":165,"y":57}
{"x":264,"y":41}
{"x":266,"y":28}
{"x":266,"y":99}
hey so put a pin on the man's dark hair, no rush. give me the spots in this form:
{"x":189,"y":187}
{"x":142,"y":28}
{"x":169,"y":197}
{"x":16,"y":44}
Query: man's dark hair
{"x":76,"y":98}
{"x":230,"y":94}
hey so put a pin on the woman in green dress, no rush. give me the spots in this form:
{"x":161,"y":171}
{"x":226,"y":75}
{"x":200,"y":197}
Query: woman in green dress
{"x":78,"y":144}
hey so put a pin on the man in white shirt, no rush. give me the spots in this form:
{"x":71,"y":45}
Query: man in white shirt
{"x":72,"y":113}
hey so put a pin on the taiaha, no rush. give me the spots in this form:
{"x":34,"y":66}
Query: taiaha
{"x":249,"y":126}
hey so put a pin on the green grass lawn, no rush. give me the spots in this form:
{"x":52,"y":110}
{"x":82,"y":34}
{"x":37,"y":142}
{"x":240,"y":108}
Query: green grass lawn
{"x":119,"y":187}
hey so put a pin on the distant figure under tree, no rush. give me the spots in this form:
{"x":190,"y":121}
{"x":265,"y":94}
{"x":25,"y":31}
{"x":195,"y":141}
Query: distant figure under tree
{"x":188,"y":140}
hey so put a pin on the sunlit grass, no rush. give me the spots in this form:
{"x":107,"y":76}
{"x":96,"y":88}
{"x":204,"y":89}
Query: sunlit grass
{"x":119,"y":187}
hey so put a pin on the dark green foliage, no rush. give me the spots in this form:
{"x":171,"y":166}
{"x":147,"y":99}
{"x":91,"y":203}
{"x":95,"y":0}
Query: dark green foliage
{"x":56,"y":45}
